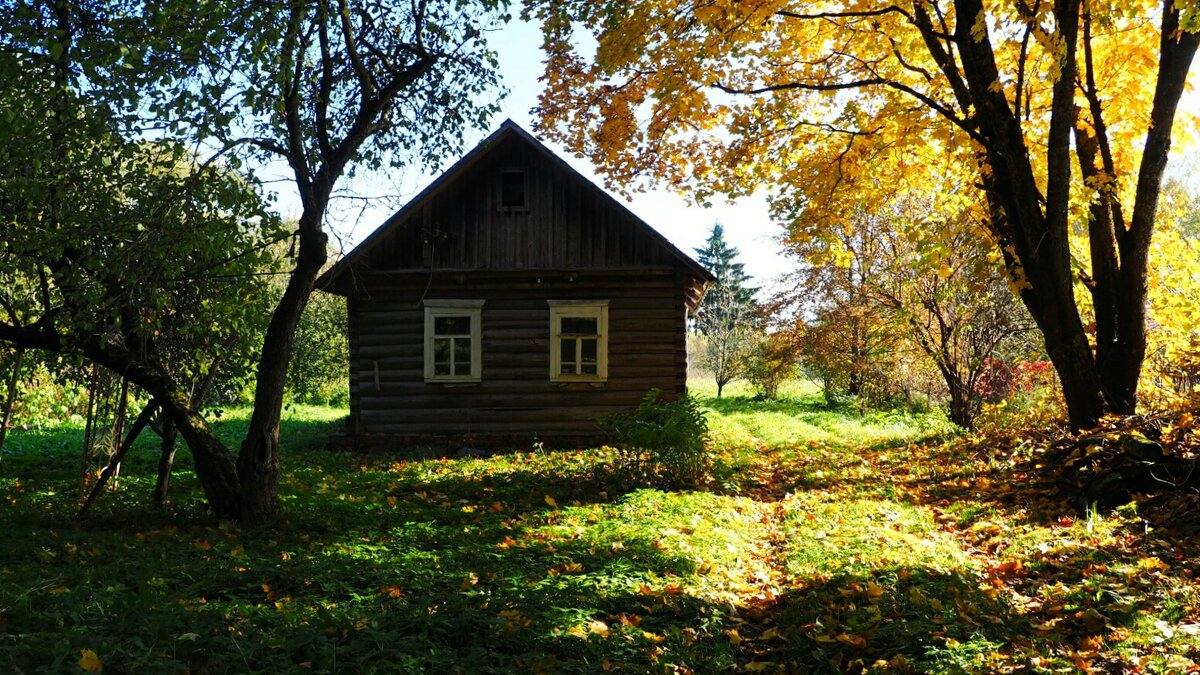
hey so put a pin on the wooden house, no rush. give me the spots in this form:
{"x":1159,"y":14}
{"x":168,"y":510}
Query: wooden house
{"x":512,"y":302}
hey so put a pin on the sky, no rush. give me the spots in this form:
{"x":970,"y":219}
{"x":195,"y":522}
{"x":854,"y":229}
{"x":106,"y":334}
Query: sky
{"x":748,"y":226}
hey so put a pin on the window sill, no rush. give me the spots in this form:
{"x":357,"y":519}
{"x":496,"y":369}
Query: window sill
{"x":580,"y":382}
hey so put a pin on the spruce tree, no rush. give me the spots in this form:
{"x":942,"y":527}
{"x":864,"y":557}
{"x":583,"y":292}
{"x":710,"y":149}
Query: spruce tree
{"x":726,"y":316}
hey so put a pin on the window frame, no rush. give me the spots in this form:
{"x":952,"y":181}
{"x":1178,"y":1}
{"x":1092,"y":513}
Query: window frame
{"x":578,"y":309}
{"x":505,"y":174}
{"x":473,"y":310}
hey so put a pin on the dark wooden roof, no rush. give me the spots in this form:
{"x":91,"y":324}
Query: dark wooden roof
{"x":457,"y":223}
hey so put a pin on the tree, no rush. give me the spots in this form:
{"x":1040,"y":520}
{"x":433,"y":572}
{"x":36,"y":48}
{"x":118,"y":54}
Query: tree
{"x":323,"y":85}
{"x":952,"y":302}
{"x":1063,"y":110}
{"x":726,"y":315}
{"x":772,"y":361}
{"x":843,"y":336}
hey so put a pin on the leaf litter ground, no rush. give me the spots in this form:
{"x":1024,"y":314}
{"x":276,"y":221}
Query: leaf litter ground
{"x":826,"y":542}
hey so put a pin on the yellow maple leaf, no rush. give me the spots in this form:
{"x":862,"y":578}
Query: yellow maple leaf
{"x":90,"y":661}
{"x":653,"y":637}
{"x":471,"y":580}
{"x":1152,"y":563}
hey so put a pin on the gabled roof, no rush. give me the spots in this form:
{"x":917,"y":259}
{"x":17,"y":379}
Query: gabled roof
{"x":508,"y":129}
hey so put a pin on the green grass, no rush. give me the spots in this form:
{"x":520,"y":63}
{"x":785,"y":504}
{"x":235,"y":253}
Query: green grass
{"x":801,"y":414}
{"x":827,"y":541}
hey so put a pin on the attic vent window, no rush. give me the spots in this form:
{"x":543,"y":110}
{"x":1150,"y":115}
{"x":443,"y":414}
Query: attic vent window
{"x":512,"y":191}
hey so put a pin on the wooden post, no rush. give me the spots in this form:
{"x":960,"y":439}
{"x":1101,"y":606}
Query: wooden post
{"x":88,"y":429}
{"x":166,"y":461}
{"x":119,"y":431}
{"x":115,"y":461}
{"x":13,"y":379}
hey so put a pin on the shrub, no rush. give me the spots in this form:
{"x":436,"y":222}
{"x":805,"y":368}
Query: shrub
{"x":772,"y":363}
{"x":660,"y":443}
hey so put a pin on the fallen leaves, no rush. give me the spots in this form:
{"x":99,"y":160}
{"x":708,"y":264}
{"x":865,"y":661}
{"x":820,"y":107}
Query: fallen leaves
{"x":89,"y":661}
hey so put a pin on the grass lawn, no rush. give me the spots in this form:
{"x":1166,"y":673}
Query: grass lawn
{"x":825,"y":542}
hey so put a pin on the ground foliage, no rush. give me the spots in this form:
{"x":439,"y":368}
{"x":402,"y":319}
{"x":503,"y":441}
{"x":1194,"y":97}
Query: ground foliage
{"x":825,"y":541}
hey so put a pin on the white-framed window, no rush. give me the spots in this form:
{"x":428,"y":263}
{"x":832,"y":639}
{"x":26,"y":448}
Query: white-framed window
{"x":452,"y":340}
{"x":578,"y":340}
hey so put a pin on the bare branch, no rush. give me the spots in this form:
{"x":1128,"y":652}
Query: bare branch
{"x":365,"y":79}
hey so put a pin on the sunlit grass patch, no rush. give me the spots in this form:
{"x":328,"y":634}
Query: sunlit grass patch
{"x":828,"y":535}
{"x":801,"y":414}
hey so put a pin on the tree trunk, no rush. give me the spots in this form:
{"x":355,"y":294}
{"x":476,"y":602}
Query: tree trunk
{"x":215,"y":466}
{"x":258,"y":460}
{"x":1054,"y":311}
{"x":10,"y":397}
{"x":166,"y":461}
{"x":89,"y":430}
{"x":118,"y":432}
{"x":960,"y":403}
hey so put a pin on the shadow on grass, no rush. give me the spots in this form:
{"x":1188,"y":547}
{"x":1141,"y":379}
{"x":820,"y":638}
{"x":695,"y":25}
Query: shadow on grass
{"x":434,"y":581}
{"x":892,"y":620}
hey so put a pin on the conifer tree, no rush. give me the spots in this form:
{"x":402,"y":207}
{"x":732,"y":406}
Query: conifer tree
{"x":726,"y":316}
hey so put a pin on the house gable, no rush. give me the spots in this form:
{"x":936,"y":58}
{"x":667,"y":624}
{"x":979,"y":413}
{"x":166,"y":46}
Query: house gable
{"x":510,"y":205}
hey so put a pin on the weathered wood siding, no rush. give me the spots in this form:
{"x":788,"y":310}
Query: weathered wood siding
{"x":515,"y":402}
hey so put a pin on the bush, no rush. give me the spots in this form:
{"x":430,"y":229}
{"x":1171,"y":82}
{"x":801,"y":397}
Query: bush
{"x":772,"y":363}
{"x":661,"y":444}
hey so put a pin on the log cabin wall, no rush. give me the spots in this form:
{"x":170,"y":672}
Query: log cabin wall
{"x":515,"y":401}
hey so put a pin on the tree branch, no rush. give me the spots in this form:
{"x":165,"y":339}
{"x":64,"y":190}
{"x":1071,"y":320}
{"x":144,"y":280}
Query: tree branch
{"x":925,"y":99}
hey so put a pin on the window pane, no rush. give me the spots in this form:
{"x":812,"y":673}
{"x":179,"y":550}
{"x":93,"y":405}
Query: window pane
{"x":452,"y":325}
{"x":441,"y":356}
{"x":588,"y":350}
{"x":579,"y":325}
{"x":587,"y":356}
{"x":512,"y":189}
{"x":567,"y":356}
{"x":441,"y":350}
{"x":462,"y":356}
